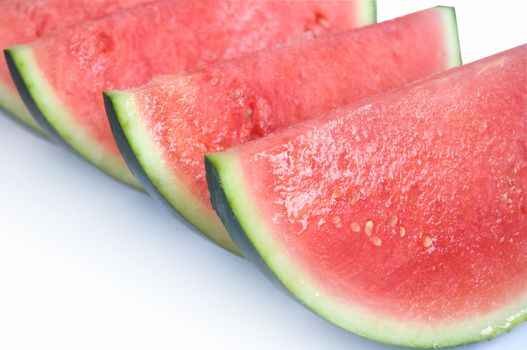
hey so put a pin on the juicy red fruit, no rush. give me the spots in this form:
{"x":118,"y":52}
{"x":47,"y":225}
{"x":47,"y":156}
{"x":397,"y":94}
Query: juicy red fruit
{"x":25,"y":20}
{"x":82,"y":61}
{"x":412,"y":203}
{"x":228,"y":103}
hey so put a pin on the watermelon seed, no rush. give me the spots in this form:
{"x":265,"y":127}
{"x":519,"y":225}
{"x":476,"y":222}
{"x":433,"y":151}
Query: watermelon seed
{"x":337,"y":221}
{"x":354,"y":199}
{"x":393,"y":220}
{"x":337,"y":193}
{"x":376,"y":241}
{"x":235,"y":94}
{"x":368,"y":228}
{"x":248,"y":112}
{"x":402,"y":231}
{"x":324,"y":22}
{"x":427,"y":242}
{"x":214,"y":81}
{"x":355,"y":226}
{"x":509,"y":181}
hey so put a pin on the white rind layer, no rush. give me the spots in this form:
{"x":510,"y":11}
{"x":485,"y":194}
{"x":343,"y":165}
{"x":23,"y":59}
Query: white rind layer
{"x":350,"y":314}
{"x":11,"y":102}
{"x":59,"y":117}
{"x":173,"y":190}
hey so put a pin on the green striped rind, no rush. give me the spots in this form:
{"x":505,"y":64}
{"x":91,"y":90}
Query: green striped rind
{"x":54,"y":116}
{"x":11,"y":102}
{"x":147,"y":163}
{"x":451,"y":36}
{"x":238,"y":211}
{"x":367,"y":12}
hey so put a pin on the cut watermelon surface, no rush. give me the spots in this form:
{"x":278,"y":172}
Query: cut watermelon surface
{"x":61,"y":77}
{"x":165,"y":128}
{"x":403,"y":217}
{"x":26,"y":20}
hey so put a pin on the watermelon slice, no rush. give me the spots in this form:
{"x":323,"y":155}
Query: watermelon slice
{"x":165,"y":128}
{"x":27,"y":20}
{"x":403,"y":217}
{"x":61,"y":77}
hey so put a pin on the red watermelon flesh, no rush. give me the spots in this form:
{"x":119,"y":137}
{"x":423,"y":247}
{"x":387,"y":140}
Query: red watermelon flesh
{"x":72,"y":67}
{"x":228,"y":103}
{"x":26,"y":20}
{"x":405,"y":212}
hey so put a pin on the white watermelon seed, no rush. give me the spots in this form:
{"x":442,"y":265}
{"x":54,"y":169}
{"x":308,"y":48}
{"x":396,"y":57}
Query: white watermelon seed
{"x":235,"y":94}
{"x":214,"y":81}
{"x":337,"y":193}
{"x":368,"y":228}
{"x":355,"y":226}
{"x":393,"y":220}
{"x":354,"y":199}
{"x":427,"y":242}
{"x":324,"y":22}
{"x":402,"y":231}
{"x":376,"y":241}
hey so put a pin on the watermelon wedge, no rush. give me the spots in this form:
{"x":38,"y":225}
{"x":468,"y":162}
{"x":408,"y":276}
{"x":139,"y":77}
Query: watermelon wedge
{"x":61,"y":77}
{"x":401,"y":218}
{"x":165,"y":128}
{"x":26,"y":20}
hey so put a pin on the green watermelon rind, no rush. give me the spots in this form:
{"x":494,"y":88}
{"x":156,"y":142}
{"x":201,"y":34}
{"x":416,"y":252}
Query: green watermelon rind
{"x":452,"y":37}
{"x":147,"y":164}
{"x":11,"y":103}
{"x":57,"y":121}
{"x":236,"y":208}
{"x":139,"y":152}
{"x":368,"y":12}
{"x":55,"y":118}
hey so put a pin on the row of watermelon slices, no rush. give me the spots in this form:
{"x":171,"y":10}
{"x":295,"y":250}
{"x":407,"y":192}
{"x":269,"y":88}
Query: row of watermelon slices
{"x":400,"y":217}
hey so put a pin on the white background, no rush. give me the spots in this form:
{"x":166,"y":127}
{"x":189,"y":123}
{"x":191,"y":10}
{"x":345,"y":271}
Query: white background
{"x":88,"y":263}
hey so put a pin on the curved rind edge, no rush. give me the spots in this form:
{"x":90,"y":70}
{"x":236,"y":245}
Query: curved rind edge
{"x":452,"y":42}
{"x":14,"y":107}
{"x":27,"y":98}
{"x":367,"y":12}
{"x":221,"y":205}
{"x":39,"y":97}
{"x":220,"y":171}
{"x":115,"y":103}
